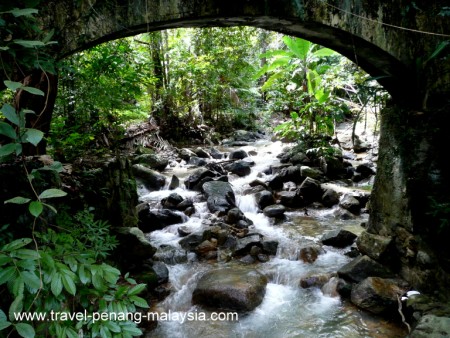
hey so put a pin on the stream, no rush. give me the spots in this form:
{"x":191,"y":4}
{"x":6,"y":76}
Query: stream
{"x":287,"y":310}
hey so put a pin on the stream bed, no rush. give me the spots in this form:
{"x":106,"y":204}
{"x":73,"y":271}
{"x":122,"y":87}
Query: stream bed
{"x":287,"y":310}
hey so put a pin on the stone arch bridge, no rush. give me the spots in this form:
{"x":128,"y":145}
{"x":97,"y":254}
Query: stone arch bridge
{"x":391,"y":40}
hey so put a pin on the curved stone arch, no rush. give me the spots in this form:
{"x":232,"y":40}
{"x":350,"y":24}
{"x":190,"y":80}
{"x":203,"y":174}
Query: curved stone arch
{"x":365,"y":42}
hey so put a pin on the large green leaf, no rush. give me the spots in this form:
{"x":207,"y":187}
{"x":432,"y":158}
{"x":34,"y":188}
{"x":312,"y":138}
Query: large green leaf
{"x":31,"y":280}
{"x":34,"y":91}
{"x":52,"y":193}
{"x":35,"y":208}
{"x":13,"y":85}
{"x":29,"y":43}
{"x":69,"y":284}
{"x":7,"y":274}
{"x":15,"y":307}
{"x":25,"y":330}
{"x":34,"y":136}
{"x":17,"y":244}
{"x":7,"y":149}
{"x":23,"y":11}
{"x":298,"y":46}
{"x":9,"y":112}
{"x":18,"y":200}
{"x":7,"y":130}
{"x":56,"y":284}
{"x":323,"y":52}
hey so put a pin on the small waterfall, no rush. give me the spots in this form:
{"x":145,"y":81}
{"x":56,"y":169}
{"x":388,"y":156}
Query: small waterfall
{"x":247,"y":204}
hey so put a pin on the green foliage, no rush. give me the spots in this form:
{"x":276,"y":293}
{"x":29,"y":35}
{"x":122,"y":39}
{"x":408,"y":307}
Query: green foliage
{"x":59,"y":275}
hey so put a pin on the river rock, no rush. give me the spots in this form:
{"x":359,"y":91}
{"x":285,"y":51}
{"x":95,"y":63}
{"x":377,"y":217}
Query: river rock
{"x":275,"y":210}
{"x":185,"y":204}
{"x":171,"y":201}
{"x":310,"y":190}
{"x":264,"y":199}
{"x":240,"y":168}
{"x":219,"y":196}
{"x":186,"y":154}
{"x":152,"y":161}
{"x":339,"y":238}
{"x":197,"y":161}
{"x":200,"y":152}
{"x":157,"y":219}
{"x":243,"y":245}
{"x":174,"y":182}
{"x":365,"y":170}
{"x":193,"y":181}
{"x":350,"y":203}
{"x":377,"y":295}
{"x":133,"y":246}
{"x":362,"y":267}
{"x":291,"y":174}
{"x":170,"y":255}
{"x":314,"y":173}
{"x":315,"y":280}
{"x":205,"y":247}
{"x":237,"y":154}
{"x":310,"y":253}
{"x":191,"y":241}
{"x":161,"y":271}
{"x":276,"y":182}
{"x":270,"y":247}
{"x":216,"y":154}
{"x":152,"y":179}
{"x":230,"y":289}
{"x":375,"y":246}
{"x":291,"y":199}
{"x":330,"y":197}
{"x":431,"y":326}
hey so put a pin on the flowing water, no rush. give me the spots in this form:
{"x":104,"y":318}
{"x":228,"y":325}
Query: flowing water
{"x":287,"y":309}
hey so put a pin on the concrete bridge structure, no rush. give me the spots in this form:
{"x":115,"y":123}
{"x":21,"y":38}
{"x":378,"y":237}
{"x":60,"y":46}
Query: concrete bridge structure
{"x":391,"y":40}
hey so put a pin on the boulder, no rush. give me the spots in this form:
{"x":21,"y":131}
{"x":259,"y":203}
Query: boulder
{"x":171,"y":201}
{"x":152,"y":161}
{"x":219,"y":196}
{"x":377,"y":295}
{"x":275,"y":210}
{"x":270,"y":247}
{"x":362,"y":267}
{"x":276,"y":182}
{"x":186,"y":154}
{"x":205,"y":247}
{"x":133,"y":246}
{"x":216,"y":154}
{"x":306,"y":171}
{"x":174,"y":182}
{"x":197,"y":161}
{"x":310,"y":190}
{"x":329,"y":198}
{"x":244,"y":245}
{"x":310,"y":253}
{"x":238,"y":154}
{"x":190,"y":242}
{"x":339,"y":238}
{"x":264,"y":199}
{"x":152,"y":179}
{"x":230,"y":289}
{"x":157,"y":219}
{"x":170,"y":255}
{"x":240,"y":168}
{"x":375,"y":246}
{"x":365,"y":169}
{"x":291,"y":199}
{"x":291,"y":174}
{"x":431,"y":326}
{"x":193,"y":181}
{"x":350,"y":203}
{"x":315,"y":280}
{"x":201,"y":153}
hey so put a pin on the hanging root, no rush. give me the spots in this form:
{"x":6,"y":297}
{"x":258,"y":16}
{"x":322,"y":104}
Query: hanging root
{"x":401,"y":314}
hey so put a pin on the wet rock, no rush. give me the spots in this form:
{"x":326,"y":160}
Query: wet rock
{"x":152,"y":161}
{"x":157,"y":219}
{"x":350,"y":203}
{"x":291,"y":174}
{"x":299,"y":158}
{"x":170,"y":255}
{"x":186,"y":154}
{"x":153,"y":180}
{"x":310,"y":190}
{"x":161,"y":271}
{"x":344,"y":288}
{"x":238,"y":154}
{"x":204,"y":247}
{"x":264,"y":199}
{"x":230,"y":289}
{"x":183,"y":231}
{"x":431,"y":326}
{"x":276,"y":182}
{"x":339,"y":238}
{"x":270,"y":247}
{"x":377,"y":295}
{"x":219,"y":196}
{"x":275,"y":210}
{"x":201,"y":153}
{"x":174,"y":182}
{"x":315,"y":280}
{"x":343,"y":214}
{"x":314,"y":173}
{"x":191,"y":241}
{"x":255,"y":250}
{"x":310,"y":253}
{"x":235,"y":215}
{"x":329,"y":198}
{"x":133,"y":246}
{"x":216,"y":154}
{"x":276,"y":168}
{"x":256,"y":183}
{"x":183,"y":205}
{"x":244,"y":245}
{"x":247,"y":259}
{"x":171,"y":201}
{"x":375,"y":246}
{"x":192,"y":182}
{"x":291,"y":199}
{"x":365,"y":170}
{"x":189,"y":211}
{"x":263,"y":258}
{"x":240,"y":168}
{"x":362,"y":267}
{"x":330,"y":288}
{"x":197,"y":161}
